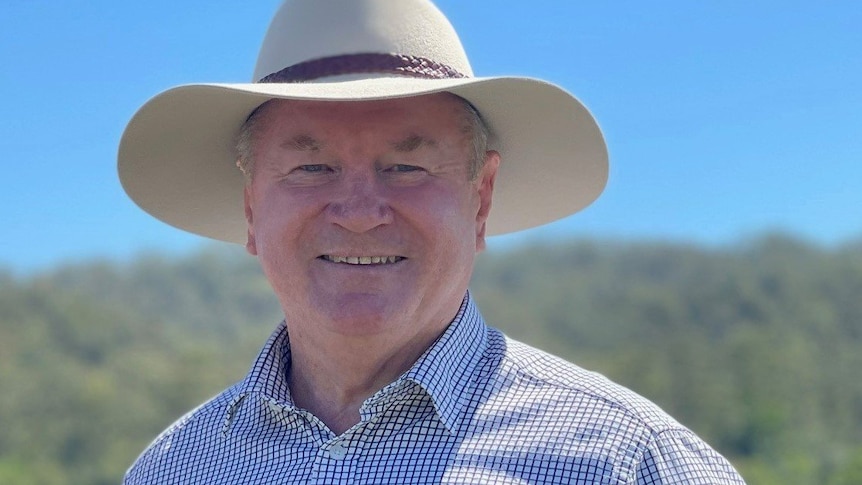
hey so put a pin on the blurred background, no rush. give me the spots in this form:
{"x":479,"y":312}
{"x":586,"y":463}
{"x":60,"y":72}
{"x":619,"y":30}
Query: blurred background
{"x":719,"y":274}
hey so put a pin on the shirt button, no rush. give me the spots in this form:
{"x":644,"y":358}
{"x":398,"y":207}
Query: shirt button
{"x":338,"y":451}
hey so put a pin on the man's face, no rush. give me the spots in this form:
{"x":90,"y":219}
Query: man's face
{"x":364,"y":215}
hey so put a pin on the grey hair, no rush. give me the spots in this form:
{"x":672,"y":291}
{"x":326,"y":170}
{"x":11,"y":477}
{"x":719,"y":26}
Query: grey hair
{"x":474,"y":125}
{"x":479,"y":133}
{"x":244,"y":142}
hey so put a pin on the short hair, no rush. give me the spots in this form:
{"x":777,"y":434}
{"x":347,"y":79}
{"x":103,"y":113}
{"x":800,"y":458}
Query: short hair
{"x":474,"y":126}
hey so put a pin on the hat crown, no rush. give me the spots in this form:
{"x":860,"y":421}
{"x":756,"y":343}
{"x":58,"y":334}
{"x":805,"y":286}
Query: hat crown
{"x":305,"y":30}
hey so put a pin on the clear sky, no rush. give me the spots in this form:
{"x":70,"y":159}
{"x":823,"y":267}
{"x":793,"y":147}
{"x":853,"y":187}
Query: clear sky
{"x":724,"y":119}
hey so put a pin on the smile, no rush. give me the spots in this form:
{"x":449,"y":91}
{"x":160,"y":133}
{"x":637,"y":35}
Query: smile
{"x":362,"y":260}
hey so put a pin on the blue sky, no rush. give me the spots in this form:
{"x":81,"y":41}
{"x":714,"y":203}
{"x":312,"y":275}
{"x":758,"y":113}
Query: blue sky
{"x":724,"y":119}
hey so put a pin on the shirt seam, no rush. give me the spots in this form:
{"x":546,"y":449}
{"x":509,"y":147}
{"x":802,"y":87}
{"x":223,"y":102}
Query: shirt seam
{"x":521,"y":370}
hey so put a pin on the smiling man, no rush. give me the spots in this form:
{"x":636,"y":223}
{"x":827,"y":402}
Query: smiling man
{"x":366,"y":219}
{"x":360,"y":169}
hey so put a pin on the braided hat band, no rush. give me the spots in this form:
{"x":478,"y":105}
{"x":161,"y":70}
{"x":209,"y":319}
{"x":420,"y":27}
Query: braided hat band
{"x":400,"y":64}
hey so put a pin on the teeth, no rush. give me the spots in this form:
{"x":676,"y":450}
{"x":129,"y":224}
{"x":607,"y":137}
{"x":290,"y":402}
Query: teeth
{"x":361,"y":260}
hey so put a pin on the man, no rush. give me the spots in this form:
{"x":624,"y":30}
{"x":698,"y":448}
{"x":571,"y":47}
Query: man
{"x":369,"y":159}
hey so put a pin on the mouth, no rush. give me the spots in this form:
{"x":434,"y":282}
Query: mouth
{"x":362,"y":260}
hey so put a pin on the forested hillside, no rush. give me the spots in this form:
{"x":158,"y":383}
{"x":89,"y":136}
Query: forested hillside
{"x":757,"y":347}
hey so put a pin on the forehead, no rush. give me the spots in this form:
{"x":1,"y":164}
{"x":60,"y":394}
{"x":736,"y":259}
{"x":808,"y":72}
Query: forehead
{"x":439,"y":112}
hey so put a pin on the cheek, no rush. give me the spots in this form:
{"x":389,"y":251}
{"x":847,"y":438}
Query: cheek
{"x":280,"y":220}
{"x":446,"y":216}
{"x":442,"y":200}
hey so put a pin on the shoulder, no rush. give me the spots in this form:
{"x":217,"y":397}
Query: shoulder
{"x":518,"y":365}
{"x":186,"y":440}
{"x":573,"y":413}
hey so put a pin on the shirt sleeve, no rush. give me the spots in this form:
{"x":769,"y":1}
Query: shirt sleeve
{"x":678,"y":456}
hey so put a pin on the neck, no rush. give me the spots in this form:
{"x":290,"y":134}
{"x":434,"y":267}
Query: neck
{"x":332,"y":377}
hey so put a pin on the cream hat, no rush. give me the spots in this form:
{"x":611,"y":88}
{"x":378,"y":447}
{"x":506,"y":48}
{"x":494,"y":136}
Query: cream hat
{"x":177,"y":160}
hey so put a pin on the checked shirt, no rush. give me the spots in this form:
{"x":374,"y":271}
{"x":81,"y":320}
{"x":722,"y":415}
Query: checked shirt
{"x":477,"y":407}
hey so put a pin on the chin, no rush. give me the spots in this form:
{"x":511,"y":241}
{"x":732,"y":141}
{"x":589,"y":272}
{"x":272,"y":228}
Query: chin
{"x":360,"y":314}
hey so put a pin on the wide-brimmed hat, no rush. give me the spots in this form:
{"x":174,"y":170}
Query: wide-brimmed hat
{"x":177,"y":158}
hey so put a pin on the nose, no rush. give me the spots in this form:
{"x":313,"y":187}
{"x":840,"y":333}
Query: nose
{"x":361,"y":204}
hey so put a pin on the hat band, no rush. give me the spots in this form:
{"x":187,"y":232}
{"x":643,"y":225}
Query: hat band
{"x":400,"y":64}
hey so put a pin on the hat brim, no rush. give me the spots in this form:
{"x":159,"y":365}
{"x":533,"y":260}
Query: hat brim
{"x":177,"y":160}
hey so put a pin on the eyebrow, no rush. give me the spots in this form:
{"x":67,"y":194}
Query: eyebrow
{"x":412,"y":142}
{"x":302,"y":143}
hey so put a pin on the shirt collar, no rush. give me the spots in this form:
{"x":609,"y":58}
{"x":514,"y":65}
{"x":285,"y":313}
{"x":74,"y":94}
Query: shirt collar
{"x":268,"y":375}
{"x":444,"y":371}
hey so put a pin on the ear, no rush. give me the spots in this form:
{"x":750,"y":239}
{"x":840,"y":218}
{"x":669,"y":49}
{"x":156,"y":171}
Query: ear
{"x":485,"y":185}
{"x":250,"y":245}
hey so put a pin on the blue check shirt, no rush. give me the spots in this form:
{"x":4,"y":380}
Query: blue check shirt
{"x":477,"y":407}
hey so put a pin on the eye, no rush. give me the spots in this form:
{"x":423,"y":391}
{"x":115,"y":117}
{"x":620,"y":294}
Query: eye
{"x":315,"y":168}
{"x":310,"y":174}
{"x":402,"y":168}
{"x":402,"y":174}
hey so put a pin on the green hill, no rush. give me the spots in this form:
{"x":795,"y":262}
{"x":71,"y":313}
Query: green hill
{"x":757,"y":347}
